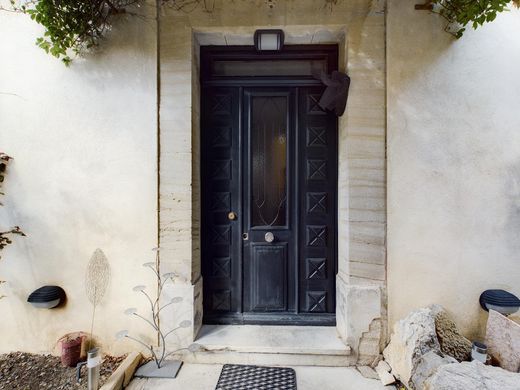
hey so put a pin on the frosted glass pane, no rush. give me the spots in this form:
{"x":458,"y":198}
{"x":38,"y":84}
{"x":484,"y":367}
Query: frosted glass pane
{"x":269,"y":160}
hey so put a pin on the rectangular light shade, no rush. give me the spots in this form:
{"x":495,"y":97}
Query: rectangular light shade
{"x":269,"y":40}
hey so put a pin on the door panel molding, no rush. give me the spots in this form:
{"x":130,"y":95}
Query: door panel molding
{"x":268,"y":274}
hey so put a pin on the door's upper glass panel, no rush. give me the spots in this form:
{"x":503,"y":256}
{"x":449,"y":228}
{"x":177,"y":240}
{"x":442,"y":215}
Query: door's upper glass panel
{"x":269,"y":160}
{"x":251,"y":68}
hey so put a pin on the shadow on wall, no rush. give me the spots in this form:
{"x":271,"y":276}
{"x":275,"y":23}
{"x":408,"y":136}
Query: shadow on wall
{"x":413,"y":57}
{"x":132,"y":39}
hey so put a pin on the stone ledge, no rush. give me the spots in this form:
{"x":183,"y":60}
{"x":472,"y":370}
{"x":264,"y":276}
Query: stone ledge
{"x":272,"y":339}
{"x":269,"y":359}
{"x":121,"y":377}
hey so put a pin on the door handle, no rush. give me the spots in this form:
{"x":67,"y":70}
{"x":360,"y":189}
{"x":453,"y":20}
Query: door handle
{"x":232,"y":216}
{"x":269,"y":237}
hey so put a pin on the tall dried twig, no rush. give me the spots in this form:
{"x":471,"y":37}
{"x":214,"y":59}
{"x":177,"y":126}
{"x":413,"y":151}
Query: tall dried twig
{"x":96,"y":282}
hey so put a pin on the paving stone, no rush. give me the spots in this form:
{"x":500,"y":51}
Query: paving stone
{"x":368,"y":372}
{"x":503,"y":341}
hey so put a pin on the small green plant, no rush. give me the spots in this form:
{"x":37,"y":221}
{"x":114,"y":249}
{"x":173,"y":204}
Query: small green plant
{"x":475,"y":13}
{"x":74,"y":27}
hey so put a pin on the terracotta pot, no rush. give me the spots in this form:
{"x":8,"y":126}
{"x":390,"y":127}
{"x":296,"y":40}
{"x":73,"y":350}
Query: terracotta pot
{"x":71,"y":351}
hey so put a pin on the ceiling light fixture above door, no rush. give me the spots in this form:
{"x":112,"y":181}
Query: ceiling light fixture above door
{"x":269,"y":40}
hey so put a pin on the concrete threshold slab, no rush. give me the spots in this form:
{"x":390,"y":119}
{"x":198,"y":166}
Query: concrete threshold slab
{"x":205,"y":377}
{"x":299,"y":340}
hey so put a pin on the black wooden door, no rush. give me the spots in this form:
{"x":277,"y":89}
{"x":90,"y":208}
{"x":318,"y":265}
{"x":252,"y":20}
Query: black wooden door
{"x":268,"y":200}
{"x":269,"y":169}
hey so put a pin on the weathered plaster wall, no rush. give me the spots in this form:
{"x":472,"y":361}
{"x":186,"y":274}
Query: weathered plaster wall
{"x":453,"y":163}
{"x":84,"y":176}
{"x":359,"y":28}
{"x":85,"y":142}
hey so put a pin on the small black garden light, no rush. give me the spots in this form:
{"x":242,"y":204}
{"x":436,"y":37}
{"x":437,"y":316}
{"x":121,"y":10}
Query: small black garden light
{"x":499,"y":300}
{"x":47,"y":297}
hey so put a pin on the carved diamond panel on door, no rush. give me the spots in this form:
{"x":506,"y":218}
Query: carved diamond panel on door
{"x":317,"y":301}
{"x":222,"y":267}
{"x":220,"y":237}
{"x":313,"y":105}
{"x":316,"y":136}
{"x":221,"y":300}
{"x":220,"y":201}
{"x":222,"y":169}
{"x":317,"y":170}
{"x":317,"y":202}
{"x":316,"y":268}
{"x":221,"y":104}
{"x":221,"y":137}
{"x":317,"y":236}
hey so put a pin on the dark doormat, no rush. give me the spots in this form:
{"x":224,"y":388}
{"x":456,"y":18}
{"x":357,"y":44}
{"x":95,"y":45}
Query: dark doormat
{"x":242,"y":377}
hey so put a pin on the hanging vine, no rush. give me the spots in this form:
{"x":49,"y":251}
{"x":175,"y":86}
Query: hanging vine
{"x":6,"y":236}
{"x":75,"y":27}
{"x":475,"y":13}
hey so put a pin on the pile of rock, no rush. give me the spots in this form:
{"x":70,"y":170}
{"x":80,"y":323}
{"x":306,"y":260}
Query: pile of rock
{"x":427,"y":352}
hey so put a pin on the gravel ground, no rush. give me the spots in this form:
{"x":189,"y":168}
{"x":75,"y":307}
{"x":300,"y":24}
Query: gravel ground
{"x":26,"y":371}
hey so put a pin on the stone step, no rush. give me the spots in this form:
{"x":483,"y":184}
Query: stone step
{"x":271,"y":345}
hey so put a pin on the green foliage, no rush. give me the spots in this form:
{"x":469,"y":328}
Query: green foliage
{"x":71,"y":26}
{"x":461,"y":13}
{"x":5,"y":236}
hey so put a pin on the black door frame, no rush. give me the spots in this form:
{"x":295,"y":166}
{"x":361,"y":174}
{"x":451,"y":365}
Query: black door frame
{"x":208,"y":55}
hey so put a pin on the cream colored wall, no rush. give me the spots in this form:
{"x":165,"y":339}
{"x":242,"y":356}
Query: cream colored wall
{"x":359,"y":29}
{"x":84,"y":176}
{"x":453,"y":163}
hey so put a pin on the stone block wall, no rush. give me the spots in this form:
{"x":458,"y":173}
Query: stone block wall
{"x":359,"y":29}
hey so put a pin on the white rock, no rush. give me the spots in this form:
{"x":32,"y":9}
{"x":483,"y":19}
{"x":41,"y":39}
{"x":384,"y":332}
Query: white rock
{"x":376,"y":361}
{"x":385,"y":377}
{"x":472,"y":375}
{"x":503,"y":341}
{"x":368,"y":372}
{"x":384,"y":366}
{"x":413,"y":337}
{"x":427,"y":365}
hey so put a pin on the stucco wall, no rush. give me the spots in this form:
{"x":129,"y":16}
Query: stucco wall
{"x":453,"y":163}
{"x":85,"y":171}
{"x":83,"y":177}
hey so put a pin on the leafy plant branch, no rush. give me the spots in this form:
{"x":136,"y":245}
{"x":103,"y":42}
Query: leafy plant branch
{"x":6,"y":236}
{"x":72,"y":27}
{"x":475,"y":13}
{"x":75,"y":27}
